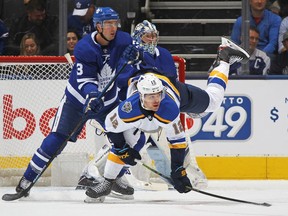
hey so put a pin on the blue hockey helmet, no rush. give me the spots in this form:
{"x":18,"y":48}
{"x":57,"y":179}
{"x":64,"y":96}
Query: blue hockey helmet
{"x":143,"y":29}
{"x":104,"y":13}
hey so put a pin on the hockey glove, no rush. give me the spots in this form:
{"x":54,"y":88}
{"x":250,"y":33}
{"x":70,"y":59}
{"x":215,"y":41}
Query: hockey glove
{"x":128,"y":155}
{"x":181,"y":182}
{"x":93,"y":104}
{"x":131,"y":53}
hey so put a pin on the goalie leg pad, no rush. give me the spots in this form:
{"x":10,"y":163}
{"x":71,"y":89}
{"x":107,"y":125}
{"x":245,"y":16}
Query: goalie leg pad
{"x":197,"y":177}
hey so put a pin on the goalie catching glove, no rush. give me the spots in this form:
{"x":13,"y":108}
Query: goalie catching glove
{"x":181,"y":182}
{"x":93,"y":104}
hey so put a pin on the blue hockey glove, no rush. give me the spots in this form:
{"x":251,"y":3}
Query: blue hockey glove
{"x":131,"y":53}
{"x":93,"y":104}
{"x":128,"y":155}
{"x":181,"y":182}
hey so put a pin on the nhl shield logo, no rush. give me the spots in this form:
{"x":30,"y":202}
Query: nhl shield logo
{"x":127,"y":107}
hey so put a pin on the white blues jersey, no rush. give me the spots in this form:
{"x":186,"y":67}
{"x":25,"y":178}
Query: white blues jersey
{"x":130,"y":114}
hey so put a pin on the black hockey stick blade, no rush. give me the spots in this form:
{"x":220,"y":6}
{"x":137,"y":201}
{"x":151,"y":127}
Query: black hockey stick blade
{"x":18,"y":195}
{"x":15,"y":196}
{"x":169,"y":179}
{"x":231,"y":199}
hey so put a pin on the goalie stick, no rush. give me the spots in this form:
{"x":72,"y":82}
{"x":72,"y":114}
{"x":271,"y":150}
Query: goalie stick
{"x":18,"y":195}
{"x":144,"y":185}
{"x":170,"y":180}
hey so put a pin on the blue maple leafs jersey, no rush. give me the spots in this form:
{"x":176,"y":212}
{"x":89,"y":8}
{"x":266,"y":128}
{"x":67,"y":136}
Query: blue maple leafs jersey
{"x":94,"y":67}
{"x":161,"y":61}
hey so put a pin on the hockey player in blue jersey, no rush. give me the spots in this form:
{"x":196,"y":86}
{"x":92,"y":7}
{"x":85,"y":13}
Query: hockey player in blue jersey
{"x":96,"y":57}
{"x":151,"y":108}
{"x":145,"y":38}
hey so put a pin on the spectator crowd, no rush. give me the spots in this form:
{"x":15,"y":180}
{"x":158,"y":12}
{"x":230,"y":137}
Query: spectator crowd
{"x":37,"y":33}
{"x":267,"y":41}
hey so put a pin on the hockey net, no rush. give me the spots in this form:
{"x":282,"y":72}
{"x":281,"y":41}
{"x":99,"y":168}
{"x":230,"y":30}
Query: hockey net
{"x":31,"y":89}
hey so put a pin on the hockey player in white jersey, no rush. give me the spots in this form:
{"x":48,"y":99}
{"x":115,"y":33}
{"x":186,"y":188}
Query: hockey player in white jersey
{"x":153,"y":107}
{"x":194,"y":100}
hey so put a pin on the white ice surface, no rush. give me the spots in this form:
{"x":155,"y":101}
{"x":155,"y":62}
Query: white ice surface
{"x":55,"y":201}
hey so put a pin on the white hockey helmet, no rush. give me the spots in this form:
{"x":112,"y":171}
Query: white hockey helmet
{"x":149,"y":84}
{"x":141,"y":30}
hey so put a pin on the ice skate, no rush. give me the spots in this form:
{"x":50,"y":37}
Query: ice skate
{"x":231,"y":53}
{"x":22,"y":185}
{"x":85,"y":182}
{"x":102,"y":189}
{"x":122,"y":190}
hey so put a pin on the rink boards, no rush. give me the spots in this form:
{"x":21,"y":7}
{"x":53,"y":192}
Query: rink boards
{"x":245,"y":139}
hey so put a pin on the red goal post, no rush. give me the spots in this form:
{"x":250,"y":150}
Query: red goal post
{"x":181,"y":68}
{"x":31,"y":89}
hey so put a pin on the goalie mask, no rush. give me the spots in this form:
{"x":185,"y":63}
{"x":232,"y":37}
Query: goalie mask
{"x":147,"y":36}
{"x":151,"y":90}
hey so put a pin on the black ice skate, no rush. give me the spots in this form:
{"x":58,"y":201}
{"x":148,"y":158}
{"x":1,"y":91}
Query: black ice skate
{"x":122,"y":190}
{"x":22,"y":190}
{"x":231,"y":53}
{"x":22,"y":186}
{"x":102,"y":189}
{"x":84,"y":183}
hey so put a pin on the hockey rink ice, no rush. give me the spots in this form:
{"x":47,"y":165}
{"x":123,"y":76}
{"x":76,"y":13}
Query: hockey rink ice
{"x":67,"y":201}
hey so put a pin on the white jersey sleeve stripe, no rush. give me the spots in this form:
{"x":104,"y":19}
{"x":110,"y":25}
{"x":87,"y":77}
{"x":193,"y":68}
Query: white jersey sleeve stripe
{"x":75,"y":93}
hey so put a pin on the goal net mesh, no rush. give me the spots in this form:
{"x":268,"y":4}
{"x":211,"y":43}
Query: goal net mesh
{"x":31,"y":89}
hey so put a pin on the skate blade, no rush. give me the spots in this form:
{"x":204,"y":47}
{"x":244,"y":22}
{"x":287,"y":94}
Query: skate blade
{"x":94,"y":200}
{"x":81,"y":187}
{"x":121,"y":196}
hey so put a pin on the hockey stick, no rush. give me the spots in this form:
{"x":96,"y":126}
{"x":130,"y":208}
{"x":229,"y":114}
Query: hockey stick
{"x":18,"y":195}
{"x":169,"y":179}
{"x":144,"y":185}
{"x":195,"y":174}
{"x":68,"y":58}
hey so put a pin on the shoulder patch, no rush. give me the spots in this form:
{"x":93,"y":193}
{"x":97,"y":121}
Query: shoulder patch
{"x":127,"y":107}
